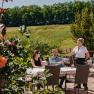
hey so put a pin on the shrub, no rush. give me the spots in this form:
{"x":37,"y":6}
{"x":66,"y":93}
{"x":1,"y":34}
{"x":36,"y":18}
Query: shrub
{"x":84,"y":27}
{"x":43,"y":47}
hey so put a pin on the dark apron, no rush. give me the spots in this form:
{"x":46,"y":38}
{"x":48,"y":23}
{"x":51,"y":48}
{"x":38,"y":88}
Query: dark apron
{"x":80,"y":61}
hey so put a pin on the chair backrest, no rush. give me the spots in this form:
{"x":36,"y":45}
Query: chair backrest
{"x":71,"y":58}
{"x":54,"y":78}
{"x":82,"y":73}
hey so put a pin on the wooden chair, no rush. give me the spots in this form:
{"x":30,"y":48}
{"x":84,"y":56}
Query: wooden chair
{"x":82,"y":72}
{"x":54,"y":78}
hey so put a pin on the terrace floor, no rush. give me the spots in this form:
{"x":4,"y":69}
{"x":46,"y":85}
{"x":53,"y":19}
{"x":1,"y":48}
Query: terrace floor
{"x":70,"y":86}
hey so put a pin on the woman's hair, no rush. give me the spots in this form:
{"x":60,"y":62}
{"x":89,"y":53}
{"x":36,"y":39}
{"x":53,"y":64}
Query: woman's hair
{"x":81,"y":40}
{"x":35,"y":52}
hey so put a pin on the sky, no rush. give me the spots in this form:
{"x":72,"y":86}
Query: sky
{"x":31,"y":2}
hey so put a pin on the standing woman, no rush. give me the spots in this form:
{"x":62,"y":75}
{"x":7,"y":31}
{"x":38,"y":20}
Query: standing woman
{"x":81,"y":55}
{"x":37,"y":60}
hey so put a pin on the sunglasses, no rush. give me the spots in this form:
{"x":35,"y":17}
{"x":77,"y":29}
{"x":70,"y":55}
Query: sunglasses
{"x":38,"y":53}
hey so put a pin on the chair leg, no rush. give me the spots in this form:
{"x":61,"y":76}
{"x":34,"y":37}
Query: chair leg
{"x":78,"y":89}
{"x":44,"y":86}
{"x":53,"y":87}
{"x":75,"y":90}
{"x":33,"y":88}
{"x":87,"y":91}
{"x":65,"y":86}
{"x":47,"y":86}
{"x":65,"y":90}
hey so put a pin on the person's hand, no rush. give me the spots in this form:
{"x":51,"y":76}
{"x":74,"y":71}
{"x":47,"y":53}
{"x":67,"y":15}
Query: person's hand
{"x":44,"y":63}
{"x":62,"y":62}
{"x":35,"y":66}
{"x":89,"y":62}
{"x":72,"y":65}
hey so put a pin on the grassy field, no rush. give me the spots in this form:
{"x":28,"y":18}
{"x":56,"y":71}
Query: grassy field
{"x":52,"y":34}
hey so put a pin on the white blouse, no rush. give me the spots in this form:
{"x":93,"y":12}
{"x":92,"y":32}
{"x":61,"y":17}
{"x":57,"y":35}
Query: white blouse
{"x":80,"y":52}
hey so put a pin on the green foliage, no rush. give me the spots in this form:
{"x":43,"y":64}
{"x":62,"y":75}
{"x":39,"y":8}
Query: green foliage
{"x":44,"y":48}
{"x":61,"y":13}
{"x":84,"y":27}
{"x":18,"y":61}
{"x":55,"y":36}
{"x":19,"y":54}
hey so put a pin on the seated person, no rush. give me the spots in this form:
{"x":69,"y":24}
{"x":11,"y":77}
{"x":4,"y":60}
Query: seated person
{"x":37,"y":60}
{"x":56,"y":59}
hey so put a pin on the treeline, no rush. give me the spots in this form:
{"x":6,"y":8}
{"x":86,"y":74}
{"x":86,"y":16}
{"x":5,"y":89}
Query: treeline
{"x":61,"y":13}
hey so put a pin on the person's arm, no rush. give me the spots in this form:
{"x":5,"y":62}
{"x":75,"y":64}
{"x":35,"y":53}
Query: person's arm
{"x":33,"y":64}
{"x":88,"y":59}
{"x":61,"y":61}
{"x":43,"y":63}
{"x":73,"y":52}
{"x":87,"y":56}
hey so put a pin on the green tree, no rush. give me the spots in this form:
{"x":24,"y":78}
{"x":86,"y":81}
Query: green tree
{"x":61,"y":13}
{"x":48,"y":15}
{"x":84,"y":27}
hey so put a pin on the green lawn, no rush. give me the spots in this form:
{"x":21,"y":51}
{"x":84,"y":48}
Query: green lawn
{"x":52,"y":34}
